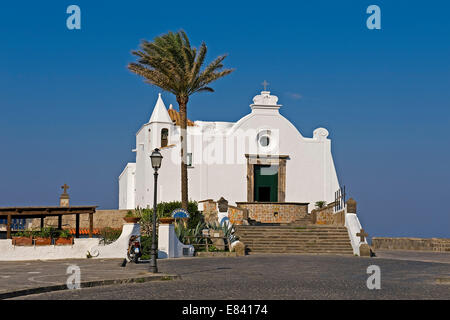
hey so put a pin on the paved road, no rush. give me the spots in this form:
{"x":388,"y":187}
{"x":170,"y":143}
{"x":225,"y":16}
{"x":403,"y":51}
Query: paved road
{"x":20,"y":275}
{"x":279,"y":277}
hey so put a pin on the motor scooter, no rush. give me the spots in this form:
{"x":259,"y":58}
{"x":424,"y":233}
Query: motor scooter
{"x":134,"y":249}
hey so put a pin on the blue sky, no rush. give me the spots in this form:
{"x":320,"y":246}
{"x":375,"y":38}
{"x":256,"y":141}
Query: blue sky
{"x":70,"y":108}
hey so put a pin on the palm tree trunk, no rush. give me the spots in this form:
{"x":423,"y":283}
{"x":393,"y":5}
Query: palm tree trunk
{"x":182,"y":103}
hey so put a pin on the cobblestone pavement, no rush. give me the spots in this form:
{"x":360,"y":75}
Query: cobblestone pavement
{"x":278,"y":276}
{"x":22,"y":275}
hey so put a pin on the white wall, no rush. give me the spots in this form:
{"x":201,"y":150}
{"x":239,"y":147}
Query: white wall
{"x":168,"y":244}
{"x":353,"y":227}
{"x":310,"y":172}
{"x":127,"y":187}
{"x":79,"y":250}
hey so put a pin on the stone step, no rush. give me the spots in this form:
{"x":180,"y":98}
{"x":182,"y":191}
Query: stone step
{"x":300,"y":238}
{"x":296,"y":242}
{"x":250,"y":242}
{"x":284,"y":236}
{"x":260,"y":231}
{"x":311,"y":246}
{"x":297,"y":250}
{"x":280,"y":239}
{"x":295,"y":232}
{"x":293,"y":235}
{"x":303,"y":228}
{"x":302,"y":248}
{"x":289,"y":226}
{"x":304,"y":252}
{"x":295,"y":238}
{"x":324,"y":241}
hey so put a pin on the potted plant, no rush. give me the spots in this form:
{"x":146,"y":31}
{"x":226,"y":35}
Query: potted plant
{"x":23,"y":238}
{"x":64,"y":238}
{"x":131,"y":217}
{"x":43,"y":237}
{"x":320,"y":204}
{"x":166,"y":220}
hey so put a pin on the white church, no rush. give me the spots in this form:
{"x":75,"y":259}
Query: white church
{"x":262,"y":157}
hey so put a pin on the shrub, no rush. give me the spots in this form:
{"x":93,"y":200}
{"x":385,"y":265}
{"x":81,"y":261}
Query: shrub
{"x":146,"y":221}
{"x":212,"y":248}
{"x":320,"y":204}
{"x":46,"y":232}
{"x":109,"y":235}
{"x":130,"y":214}
{"x":65,"y":234}
{"x":25,"y":233}
{"x":146,"y":245}
{"x":164,"y":210}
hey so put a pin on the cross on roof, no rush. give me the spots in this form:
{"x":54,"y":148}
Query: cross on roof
{"x":362,"y":235}
{"x":265,"y":84}
{"x":65,"y":187}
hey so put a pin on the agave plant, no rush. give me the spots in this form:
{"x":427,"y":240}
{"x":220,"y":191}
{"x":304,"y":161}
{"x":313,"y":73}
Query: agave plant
{"x":228,"y":230}
{"x":194,"y":235}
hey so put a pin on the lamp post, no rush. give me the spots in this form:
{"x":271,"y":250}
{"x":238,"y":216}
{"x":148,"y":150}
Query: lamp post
{"x":156,"y":159}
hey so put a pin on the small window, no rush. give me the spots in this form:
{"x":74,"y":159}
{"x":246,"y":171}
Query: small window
{"x":264,"y":138}
{"x":189,"y":159}
{"x":264,"y":141}
{"x":164,"y":137}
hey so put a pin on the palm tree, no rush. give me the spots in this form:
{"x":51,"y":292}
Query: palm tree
{"x":169,"y":62}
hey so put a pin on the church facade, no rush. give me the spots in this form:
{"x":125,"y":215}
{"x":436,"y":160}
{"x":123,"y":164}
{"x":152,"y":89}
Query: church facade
{"x":262,"y":157}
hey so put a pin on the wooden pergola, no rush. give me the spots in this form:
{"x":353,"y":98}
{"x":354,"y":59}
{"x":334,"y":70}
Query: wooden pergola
{"x":42,"y":212}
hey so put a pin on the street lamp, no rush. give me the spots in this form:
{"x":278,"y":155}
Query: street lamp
{"x":156,"y":159}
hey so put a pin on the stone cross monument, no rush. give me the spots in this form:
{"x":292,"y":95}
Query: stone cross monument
{"x":64,"y":198}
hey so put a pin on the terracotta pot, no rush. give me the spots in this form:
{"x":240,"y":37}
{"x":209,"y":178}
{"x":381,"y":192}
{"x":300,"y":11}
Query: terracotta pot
{"x":22,"y":241}
{"x":42,"y":241}
{"x":131,"y":219}
{"x":64,"y":241}
{"x":166,"y":220}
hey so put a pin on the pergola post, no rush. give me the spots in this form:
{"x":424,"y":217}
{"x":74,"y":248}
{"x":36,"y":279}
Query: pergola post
{"x":77,"y":225}
{"x":8,"y":228}
{"x":60,"y":222}
{"x":91,"y":224}
{"x":42,"y":222}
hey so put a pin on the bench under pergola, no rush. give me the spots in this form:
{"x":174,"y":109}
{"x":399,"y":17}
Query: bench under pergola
{"x":42,"y":212}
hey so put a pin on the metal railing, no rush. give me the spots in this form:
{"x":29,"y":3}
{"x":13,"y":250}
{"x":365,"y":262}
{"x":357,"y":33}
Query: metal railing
{"x":339,"y":199}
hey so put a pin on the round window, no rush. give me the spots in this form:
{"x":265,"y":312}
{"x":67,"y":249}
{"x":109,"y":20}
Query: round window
{"x":264,"y":141}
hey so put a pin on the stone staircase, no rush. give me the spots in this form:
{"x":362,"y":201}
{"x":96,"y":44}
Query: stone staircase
{"x":295,"y":239}
{"x":302,"y":221}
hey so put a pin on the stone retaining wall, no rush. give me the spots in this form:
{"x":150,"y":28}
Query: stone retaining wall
{"x":419,"y":244}
{"x":237,"y":215}
{"x":326,"y":216}
{"x":210,"y":213}
{"x":275,"y":212}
